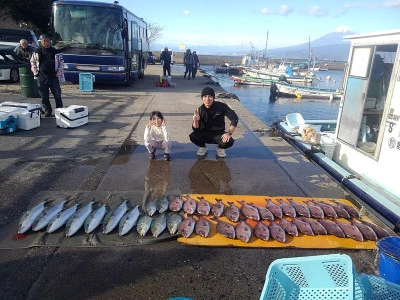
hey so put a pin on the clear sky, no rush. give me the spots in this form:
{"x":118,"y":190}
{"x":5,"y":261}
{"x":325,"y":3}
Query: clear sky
{"x":290,"y":22}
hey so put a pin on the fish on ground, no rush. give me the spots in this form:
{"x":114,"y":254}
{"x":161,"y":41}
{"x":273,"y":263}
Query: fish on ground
{"x":243,"y":231}
{"x":77,"y":220}
{"x":350,"y":231}
{"x":173,"y":220}
{"x":47,"y":215}
{"x":317,"y":227}
{"x":143,"y":224}
{"x":277,"y":232}
{"x":367,"y":232}
{"x":350,"y":209}
{"x":289,"y":227}
{"x":30,"y":216}
{"x":264,"y":212}
{"x":303,"y":227}
{"x":95,"y":218}
{"x":162,"y":204}
{"x":217,"y":209}
{"x":225,"y":229}
{"x":332,"y":228}
{"x":232,"y":212}
{"x":158,"y":224}
{"x":186,"y":227}
{"x":301,"y":209}
{"x":128,"y":220}
{"x":61,"y":218}
{"x":287,"y":209}
{"x":175,"y":204}
{"x":150,"y":207}
{"x":112,"y":219}
{"x":275,"y":209}
{"x":380,"y":232}
{"x":315,"y":210}
{"x":261,"y":231}
{"x":202,"y":227}
{"x":249,"y":211}
{"x":189,"y":206}
{"x":203,"y":207}
{"x":328,"y":210}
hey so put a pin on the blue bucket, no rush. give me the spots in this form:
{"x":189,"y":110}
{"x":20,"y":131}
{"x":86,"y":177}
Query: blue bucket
{"x":389,"y":259}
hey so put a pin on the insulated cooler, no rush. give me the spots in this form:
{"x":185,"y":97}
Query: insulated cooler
{"x":28,"y":114}
{"x":8,"y":122}
{"x":72,"y":116}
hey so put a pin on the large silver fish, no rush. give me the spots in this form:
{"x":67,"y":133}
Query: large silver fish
{"x":113,"y":217}
{"x":275,"y":209}
{"x":175,"y":204}
{"x":150,"y":207}
{"x":77,"y":220}
{"x":249,"y":211}
{"x":129,"y":220}
{"x":95,"y":218}
{"x":143,"y":224}
{"x":190,"y":205}
{"x":217,"y":208}
{"x":186,"y":227}
{"x":173,"y":220}
{"x":162,"y":204}
{"x":30,"y":216}
{"x":158,"y":224}
{"x":202,"y":227}
{"x":47,"y":215}
{"x":61,"y":218}
{"x":261,"y":231}
{"x":203,"y":207}
{"x":232,"y":212}
{"x":243,"y":231}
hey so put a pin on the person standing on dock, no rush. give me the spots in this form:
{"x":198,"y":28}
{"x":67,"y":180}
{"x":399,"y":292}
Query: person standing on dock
{"x":196,"y":64}
{"x":209,"y":124}
{"x":188,"y":61}
{"x":165,"y":58}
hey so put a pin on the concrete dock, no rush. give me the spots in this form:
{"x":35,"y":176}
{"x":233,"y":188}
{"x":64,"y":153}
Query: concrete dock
{"x":108,"y":155}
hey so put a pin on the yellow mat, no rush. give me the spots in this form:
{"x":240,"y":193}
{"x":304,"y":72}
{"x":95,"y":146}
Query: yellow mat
{"x":302,"y":241}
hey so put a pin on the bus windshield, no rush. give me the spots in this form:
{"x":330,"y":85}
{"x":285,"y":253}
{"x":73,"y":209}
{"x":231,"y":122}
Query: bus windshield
{"x":87,"y":26}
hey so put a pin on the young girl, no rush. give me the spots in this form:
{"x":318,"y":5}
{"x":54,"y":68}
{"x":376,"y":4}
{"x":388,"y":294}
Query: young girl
{"x":156,"y":135}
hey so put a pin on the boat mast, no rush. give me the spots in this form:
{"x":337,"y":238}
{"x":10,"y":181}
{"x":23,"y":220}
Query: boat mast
{"x":265,"y":50}
{"x":309,"y":53}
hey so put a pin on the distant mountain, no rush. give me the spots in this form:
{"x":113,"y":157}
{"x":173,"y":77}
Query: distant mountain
{"x":331,"y":46}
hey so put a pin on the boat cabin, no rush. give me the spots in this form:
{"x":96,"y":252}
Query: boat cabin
{"x":368,"y":130}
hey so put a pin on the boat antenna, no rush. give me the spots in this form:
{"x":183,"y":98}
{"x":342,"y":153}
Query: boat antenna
{"x":266,"y":44}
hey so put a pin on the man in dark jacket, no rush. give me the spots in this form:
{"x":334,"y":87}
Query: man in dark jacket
{"x":209,"y":124}
{"x":47,"y":64}
{"x":196,"y":64}
{"x":165,"y":58}
{"x":24,"y":50}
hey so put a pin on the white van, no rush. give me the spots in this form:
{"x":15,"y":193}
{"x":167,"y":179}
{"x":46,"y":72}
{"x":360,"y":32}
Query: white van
{"x":172,"y":55}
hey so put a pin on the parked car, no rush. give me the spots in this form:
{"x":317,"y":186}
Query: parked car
{"x":15,"y":35}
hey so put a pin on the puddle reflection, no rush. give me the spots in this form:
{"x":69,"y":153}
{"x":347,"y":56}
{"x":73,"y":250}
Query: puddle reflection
{"x":158,"y":178}
{"x":210,"y":177}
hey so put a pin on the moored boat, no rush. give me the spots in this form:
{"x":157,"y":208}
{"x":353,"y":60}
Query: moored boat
{"x":365,"y":147}
{"x":271,"y":75}
{"x":290,"y":90}
{"x":248,"y":80}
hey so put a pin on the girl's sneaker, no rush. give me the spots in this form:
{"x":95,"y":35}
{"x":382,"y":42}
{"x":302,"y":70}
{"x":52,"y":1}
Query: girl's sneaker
{"x":152,"y":154}
{"x":167,"y":157}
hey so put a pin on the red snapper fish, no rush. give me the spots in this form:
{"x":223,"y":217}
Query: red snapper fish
{"x":328,"y":210}
{"x":303,"y":226}
{"x":261,"y":231}
{"x":249,"y":211}
{"x":332,"y":228}
{"x":243,"y":231}
{"x":202,"y":227}
{"x":316,"y":227}
{"x":217,"y":208}
{"x":274,"y":208}
{"x":350,"y":209}
{"x":232,"y":212}
{"x":186,"y":227}
{"x":287,"y":209}
{"x":175,"y":204}
{"x":315,"y":210}
{"x":203,"y":207}
{"x":277,"y":232}
{"x":301,"y":209}
{"x":190,"y":205}
{"x":225,"y":229}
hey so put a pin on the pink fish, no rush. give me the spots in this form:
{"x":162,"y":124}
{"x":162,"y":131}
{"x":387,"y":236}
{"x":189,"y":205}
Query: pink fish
{"x":226,"y":229}
{"x":277,"y":232}
{"x":301,"y":210}
{"x":190,"y":205}
{"x":340,"y":211}
{"x":249,"y":211}
{"x":315,"y":226}
{"x":289,"y":227}
{"x":202,"y":227}
{"x":264,"y":212}
{"x":315,"y":210}
{"x":175,"y":204}
{"x":303,"y":226}
{"x":217,"y":208}
{"x":287,"y":209}
{"x":380,"y":232}
{"x":328,"y":210}
{"x":203,"y":207}
{"x":274,"y":208}
{"x":243,"y":231}
{"x":186,"y":227}
{"x":261,"y":231}
{"x":350,"y":209}
{"x":367,"y":232}
{"x":332,"y":228}
{"x":351,"y":231}
{"x":232,"y":212}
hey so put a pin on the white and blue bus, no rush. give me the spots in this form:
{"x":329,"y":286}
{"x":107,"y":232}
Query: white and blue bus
{"x":104,"y":39}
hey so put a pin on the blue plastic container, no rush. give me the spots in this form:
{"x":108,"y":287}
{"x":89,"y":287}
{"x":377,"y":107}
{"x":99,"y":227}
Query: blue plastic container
{"x":389,"y":258}
{"x":86,"y":82}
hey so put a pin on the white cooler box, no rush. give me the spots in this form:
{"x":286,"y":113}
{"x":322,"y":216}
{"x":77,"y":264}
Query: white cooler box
{"x":8,"y":122}
{"x":28,"y":114}
{"x":72,"y":116}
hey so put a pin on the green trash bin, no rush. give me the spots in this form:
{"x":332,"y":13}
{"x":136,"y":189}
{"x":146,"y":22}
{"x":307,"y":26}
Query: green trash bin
{"x":29,"y":87}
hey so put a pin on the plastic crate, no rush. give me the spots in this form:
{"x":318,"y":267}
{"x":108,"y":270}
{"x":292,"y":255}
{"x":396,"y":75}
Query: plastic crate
{"x":85,"y":82}
{"x":312,"y":277}
{"x":328,"y":149}
{"x":378,"y":288}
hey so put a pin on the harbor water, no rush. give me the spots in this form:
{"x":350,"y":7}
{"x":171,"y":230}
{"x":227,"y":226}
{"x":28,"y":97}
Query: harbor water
{"x":257,"y":98}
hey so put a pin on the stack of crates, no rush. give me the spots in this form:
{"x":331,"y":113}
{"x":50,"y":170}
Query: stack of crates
{"x":86,"y":82}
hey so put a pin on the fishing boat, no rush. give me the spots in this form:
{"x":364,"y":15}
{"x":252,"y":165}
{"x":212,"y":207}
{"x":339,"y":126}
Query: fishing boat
{"x":365,"y":146}
{"x":248,"y":80}
{"x":276,"y":74}
{"x":285,"y":89}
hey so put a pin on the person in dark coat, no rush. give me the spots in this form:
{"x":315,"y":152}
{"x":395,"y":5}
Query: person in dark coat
{"x":24,"y":50}
{"x":209,"y":124}
{"x":48,"y":65}
{"x":196,"y":64}
{"x":165,"y":58}
{"x":188,"y":62}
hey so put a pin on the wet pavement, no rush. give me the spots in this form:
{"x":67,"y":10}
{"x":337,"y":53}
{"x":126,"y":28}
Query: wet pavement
{"x":108,"y":155}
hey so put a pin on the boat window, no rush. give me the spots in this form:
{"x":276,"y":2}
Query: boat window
{"x":371,"y":127}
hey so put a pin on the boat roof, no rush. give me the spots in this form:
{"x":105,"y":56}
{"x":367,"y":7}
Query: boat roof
{"x":373,"y":34}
